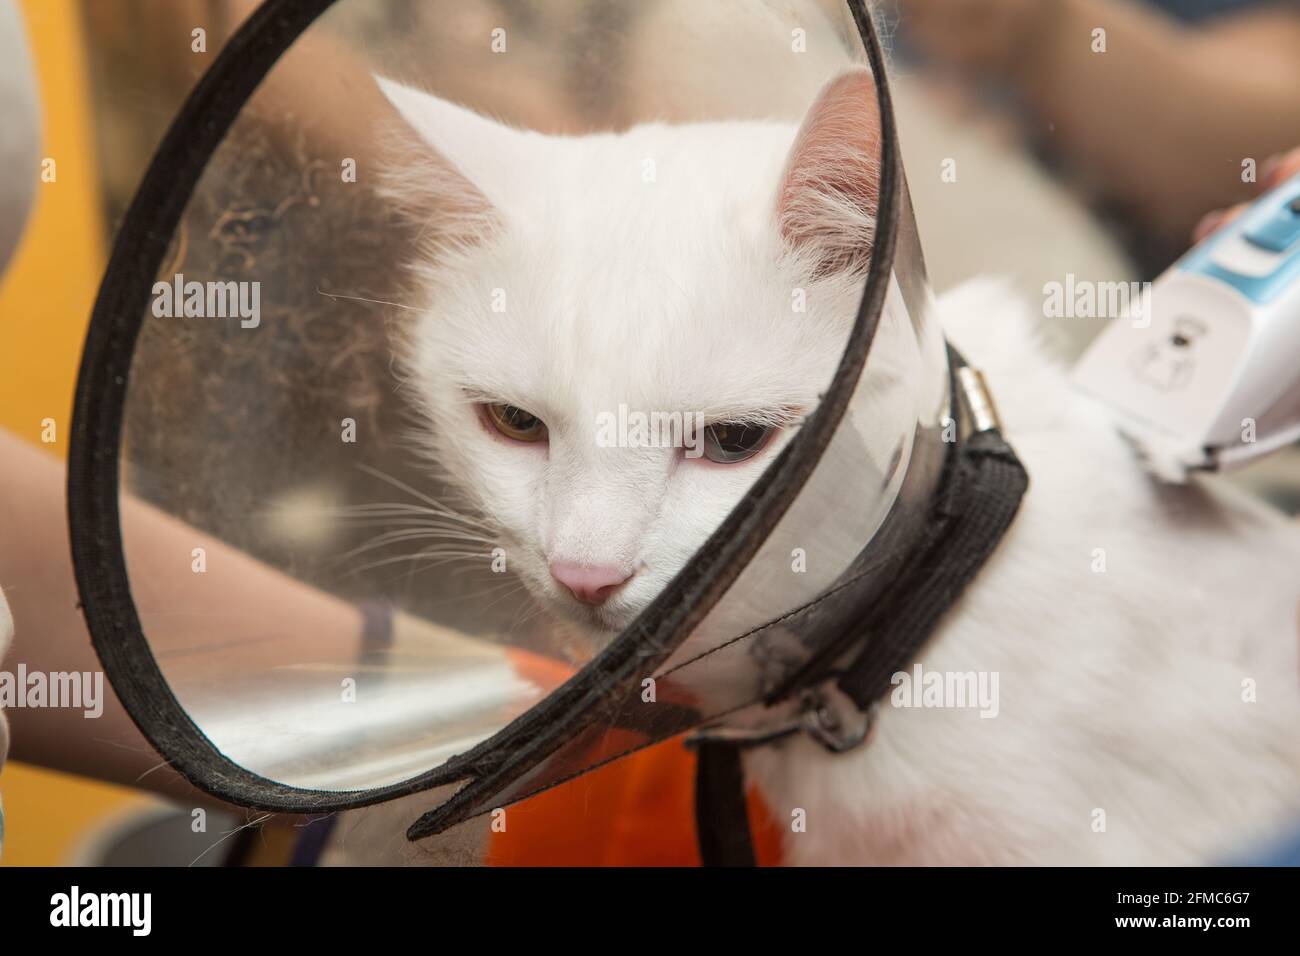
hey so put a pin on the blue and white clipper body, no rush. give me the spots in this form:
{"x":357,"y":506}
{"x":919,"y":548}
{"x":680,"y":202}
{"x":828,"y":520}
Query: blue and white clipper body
{"x":1205,"y":372}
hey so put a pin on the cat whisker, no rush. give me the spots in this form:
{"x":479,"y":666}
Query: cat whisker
{"x":414,"y":534}
{"x":249,"y":824}
{"x":526,"y":614}
{"x":440,"y":524}
{"x":431,"y":528}
{"x":400,"y":510}
{"x":443,"y":558}
{"x":506,"y":589}
{"x":361,"y":298}
{"x":508,"y":593}
{"x":420,"y":496}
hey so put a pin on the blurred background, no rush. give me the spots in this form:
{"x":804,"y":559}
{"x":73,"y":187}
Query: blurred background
{"x":1075,"y":153}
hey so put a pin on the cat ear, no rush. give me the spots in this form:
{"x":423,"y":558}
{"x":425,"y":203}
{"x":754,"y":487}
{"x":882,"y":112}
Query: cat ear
{"x":474,"y":158}
{"x":831,"y":187}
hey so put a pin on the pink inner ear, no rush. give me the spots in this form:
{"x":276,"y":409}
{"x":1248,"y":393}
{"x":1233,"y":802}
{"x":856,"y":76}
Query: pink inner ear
{"x":421,"y":183}
{"x":831,"y":186}
{"x":425,"y":184}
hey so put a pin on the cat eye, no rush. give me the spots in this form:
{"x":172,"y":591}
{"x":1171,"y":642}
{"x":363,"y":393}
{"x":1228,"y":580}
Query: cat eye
{"x":515,"y":423}
{"x":729,"y":442}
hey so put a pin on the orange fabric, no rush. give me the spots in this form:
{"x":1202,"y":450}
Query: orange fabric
{"x":545,"y":672}
{"x":637,"y":811}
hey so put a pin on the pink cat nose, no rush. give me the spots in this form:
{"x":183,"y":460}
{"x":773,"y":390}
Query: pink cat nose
{"x":590,"y":585}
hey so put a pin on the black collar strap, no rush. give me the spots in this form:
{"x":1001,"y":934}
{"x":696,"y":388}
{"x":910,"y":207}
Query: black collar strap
{"x":975,"y":502}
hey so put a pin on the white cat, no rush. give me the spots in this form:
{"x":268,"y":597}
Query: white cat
{"x":1147,"y":641}
{"x":651,"y":269}
{"x":1145,"y":637}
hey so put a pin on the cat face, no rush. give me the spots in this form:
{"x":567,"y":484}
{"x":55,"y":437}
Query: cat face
{"x":620,"y":331}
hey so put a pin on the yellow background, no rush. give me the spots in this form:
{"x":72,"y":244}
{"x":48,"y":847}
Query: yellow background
{"x":45,"y":302}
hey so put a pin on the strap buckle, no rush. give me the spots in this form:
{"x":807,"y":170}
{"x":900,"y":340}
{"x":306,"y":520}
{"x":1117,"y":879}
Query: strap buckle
{"x":829,"y":717}
{"x":825,"y":714}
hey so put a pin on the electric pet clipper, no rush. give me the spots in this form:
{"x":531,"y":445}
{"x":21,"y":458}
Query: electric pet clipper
{"x":1205,"y":372}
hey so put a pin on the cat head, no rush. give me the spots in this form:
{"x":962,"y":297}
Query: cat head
{"x":619,"y":331}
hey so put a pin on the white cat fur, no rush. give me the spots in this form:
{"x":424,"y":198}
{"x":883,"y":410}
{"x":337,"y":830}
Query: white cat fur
{"x":1122,"y":690}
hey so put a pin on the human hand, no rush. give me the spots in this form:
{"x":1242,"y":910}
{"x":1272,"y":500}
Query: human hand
{"x":1274,"y":172}
{"x":982,"y":36}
